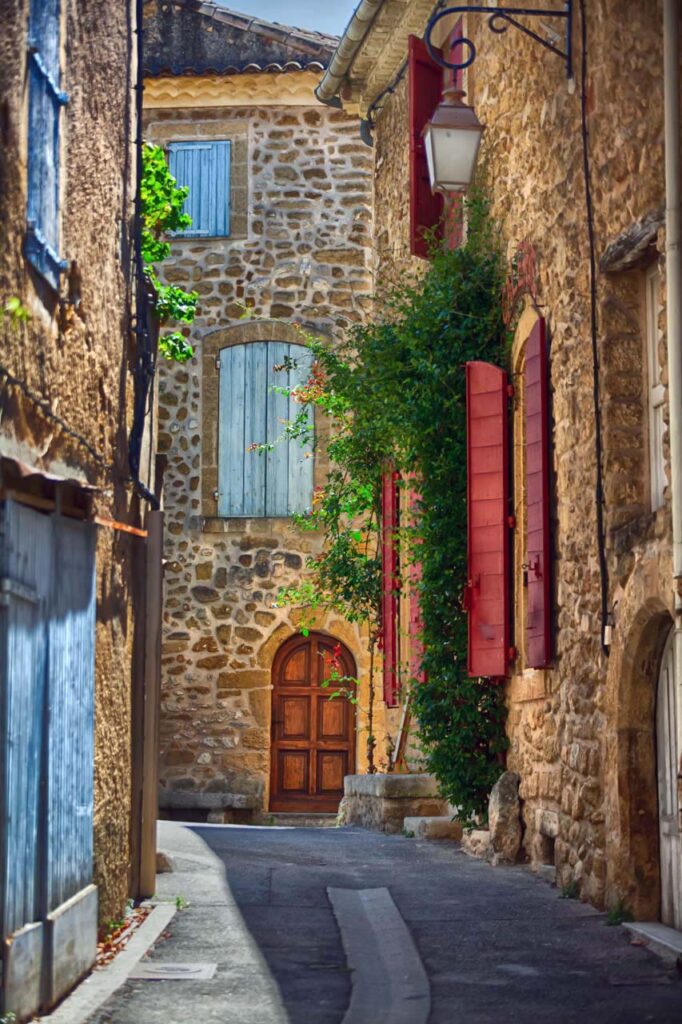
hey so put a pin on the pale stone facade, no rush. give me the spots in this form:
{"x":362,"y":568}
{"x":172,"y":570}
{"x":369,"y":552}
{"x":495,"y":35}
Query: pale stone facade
{"x":297,"y":253}
{"x":582,"y":731}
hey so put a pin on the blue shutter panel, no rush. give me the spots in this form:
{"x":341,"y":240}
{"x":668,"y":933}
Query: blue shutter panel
{"x":45,"y":102}
{"x":277,"y":469}
{"x":300,"y":458}
{"x":255,"y":429}
{"x":204,"y":167}
{"x":252,"y":411}
{"x":231,"y":437}
{"x":70,"y":713}
{"x":25,"y":553}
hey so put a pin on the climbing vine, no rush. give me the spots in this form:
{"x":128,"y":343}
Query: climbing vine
{"x":162,"y":201}
{"x":394,"y":391}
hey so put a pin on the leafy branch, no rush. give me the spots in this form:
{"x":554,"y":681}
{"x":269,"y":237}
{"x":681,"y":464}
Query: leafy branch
{"x":393,"y":392}
{"x":162,"y":201}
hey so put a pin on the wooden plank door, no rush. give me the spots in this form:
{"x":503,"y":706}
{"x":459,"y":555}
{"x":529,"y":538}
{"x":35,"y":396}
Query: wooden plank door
{"x":668,"y":756}
{"x":313,"y":737}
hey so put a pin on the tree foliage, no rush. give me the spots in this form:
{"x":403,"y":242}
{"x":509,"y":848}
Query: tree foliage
{"x":162,"y":201}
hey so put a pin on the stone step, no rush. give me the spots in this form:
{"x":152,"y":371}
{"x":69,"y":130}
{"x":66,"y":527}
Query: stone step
{"x":476,"y":842}
{"x":293,"y":819}
{"x":434,"y":827}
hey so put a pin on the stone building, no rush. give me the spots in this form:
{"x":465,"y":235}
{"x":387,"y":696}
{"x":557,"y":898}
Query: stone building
{"x":281,"y":227}
{"x":591,"y":720}
{"x":73,"y":555}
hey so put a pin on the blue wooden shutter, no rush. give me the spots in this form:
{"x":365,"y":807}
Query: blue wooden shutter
{"x":25,"y":552}
{"x":300,"y":490}
{"x":70,"y":713}
{"x":205,"y":168}
{"x":253,"y":412}
{"x":45,"y":102}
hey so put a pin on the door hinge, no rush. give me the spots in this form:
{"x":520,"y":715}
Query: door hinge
{"x":13,"y":588}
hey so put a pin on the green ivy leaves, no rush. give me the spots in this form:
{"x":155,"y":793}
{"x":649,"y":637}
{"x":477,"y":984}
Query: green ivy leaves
{"x":162,"y":201}
{"x":394,"y":393}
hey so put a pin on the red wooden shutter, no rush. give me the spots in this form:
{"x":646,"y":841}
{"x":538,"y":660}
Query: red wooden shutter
{"x":454,"y":225}
{"x":425,"y":84}
{"x":415,"y":614}
{"x":487,"y":595}
{"x":538,"y":609}
{"x":390,"y":583}
{"x":455,"y":53}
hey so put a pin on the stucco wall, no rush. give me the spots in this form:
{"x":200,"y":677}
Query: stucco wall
{"x":571,"y":726}
{"x":301,"y":191}
{"x":71,"y":354}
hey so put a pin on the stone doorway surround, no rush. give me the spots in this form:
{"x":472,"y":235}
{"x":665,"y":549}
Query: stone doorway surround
{"x":630,"y":768}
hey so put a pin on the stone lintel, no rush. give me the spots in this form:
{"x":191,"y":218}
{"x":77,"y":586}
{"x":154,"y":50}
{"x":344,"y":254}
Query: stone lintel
{"x":401,"y":787}
{"x":635,"y":246}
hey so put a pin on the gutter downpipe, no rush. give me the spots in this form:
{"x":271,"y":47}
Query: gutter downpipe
{"x":673,"y":269}
{"x":350,"y":43}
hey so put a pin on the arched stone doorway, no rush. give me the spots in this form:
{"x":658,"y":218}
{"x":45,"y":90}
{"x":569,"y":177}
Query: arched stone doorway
{"x":313,"y":737}
{"x":668,"y":758}
{"x":633,"y":855}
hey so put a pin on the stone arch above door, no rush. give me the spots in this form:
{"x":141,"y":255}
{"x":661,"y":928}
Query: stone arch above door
{"x":313,"y":736}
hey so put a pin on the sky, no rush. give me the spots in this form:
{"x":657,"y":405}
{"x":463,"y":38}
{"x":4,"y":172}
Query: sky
{"x":330,"y":16}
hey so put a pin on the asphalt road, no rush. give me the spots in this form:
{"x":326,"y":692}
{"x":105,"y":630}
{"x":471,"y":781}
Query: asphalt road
{"x":498,"y":944}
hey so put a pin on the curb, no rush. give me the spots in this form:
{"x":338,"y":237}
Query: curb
{"x":100,"y":985}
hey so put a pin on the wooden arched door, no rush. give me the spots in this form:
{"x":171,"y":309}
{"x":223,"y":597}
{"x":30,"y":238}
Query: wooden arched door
{"x":313,"y":737}
{"x":668,"y":759}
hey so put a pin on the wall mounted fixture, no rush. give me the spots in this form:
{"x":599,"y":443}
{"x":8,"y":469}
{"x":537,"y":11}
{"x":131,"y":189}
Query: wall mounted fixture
{"x":451,"y":141}
{"x":499,"y":20}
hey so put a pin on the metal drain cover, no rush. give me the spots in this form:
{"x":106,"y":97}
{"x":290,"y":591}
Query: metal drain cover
{"x":152,"y":970}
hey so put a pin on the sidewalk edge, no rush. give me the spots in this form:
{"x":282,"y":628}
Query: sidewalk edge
{"x":100,"y":985}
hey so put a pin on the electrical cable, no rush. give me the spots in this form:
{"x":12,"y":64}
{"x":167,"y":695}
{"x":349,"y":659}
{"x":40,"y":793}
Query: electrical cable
{"x":599,"y":486}
{"x":145,"y":356}
{"x":49,"y":414}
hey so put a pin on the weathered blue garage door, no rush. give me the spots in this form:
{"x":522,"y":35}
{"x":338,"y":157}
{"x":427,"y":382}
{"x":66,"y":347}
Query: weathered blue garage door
{"x":47,"y":636}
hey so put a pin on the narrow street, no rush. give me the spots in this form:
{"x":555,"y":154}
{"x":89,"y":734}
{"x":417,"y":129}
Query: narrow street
{"x":498,"y":944}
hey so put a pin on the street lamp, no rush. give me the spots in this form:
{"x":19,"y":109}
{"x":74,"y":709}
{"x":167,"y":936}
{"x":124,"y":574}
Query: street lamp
{"x":451,"y":140}
{"x":453,"y":135}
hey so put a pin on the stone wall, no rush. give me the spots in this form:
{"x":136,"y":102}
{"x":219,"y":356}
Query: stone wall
{"x":301,"y":255}
{"x":71,"y":356}
{"x":577,"y":729}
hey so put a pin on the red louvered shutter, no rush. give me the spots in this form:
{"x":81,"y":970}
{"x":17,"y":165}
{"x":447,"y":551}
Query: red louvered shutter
{"x":455,"y":53}
{"x":425,"y":84}
{"x":390,"y":584}
{"x":539,"y":597}
{"x":416,"y":621}
{"x":487,"y":594}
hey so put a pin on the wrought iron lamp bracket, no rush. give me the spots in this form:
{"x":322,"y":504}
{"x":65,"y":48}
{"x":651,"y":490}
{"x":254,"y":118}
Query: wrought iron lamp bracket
{"x":499,"y":20}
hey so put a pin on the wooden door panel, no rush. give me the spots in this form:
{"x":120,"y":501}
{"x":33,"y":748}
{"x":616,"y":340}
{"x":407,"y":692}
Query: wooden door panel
{"x":332,"y":766}
{"x":296,"y":668}
{"x":332,"y":720}
{"x":313,"y":737}
{"x":294,"y":768}
{"x":295,"y":718}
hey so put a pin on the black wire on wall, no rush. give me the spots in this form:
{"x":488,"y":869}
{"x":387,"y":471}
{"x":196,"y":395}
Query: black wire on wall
{"x":598,"y":448}
{"x":145,"y":348}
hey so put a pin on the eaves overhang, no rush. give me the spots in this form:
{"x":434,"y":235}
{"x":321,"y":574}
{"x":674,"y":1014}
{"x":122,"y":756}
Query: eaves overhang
{"x":372,"y":51}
